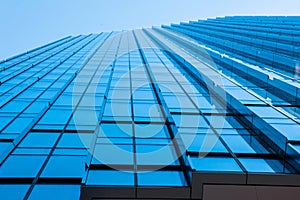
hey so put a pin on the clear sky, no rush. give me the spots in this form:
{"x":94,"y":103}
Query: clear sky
{"x":26,"y":24}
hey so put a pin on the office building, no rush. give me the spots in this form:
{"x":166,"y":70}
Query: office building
{"x":199,"y":110}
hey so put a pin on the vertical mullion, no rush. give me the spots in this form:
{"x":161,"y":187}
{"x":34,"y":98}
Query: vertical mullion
{"x":166,"y":114}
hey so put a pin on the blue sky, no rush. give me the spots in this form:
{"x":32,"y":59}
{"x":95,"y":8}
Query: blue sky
{"x":26,"y":24}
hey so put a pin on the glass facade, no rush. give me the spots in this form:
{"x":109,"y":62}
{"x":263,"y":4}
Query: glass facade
{"x":153,"y":113}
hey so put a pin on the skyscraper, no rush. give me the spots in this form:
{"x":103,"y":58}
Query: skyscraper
{"x":199,"y":110}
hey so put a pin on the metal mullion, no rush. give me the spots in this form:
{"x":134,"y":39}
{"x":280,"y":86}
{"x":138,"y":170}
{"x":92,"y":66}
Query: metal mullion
{"x":56,"y":143}
{"x":89,"y":160}
{"x":250,"y":56}
{"x":230,"y":37}
{"x":223,"y":142}
{"x":165,"y":112}
{"x":211,"y":127}
{"x":37,"y":98}
{"x":135,"y":168}
{"x":200,"y":112}
{"x":30,"y":66}
{"x":35,"y":82}
{"x":59,"y":48}
{"x":238,"y":85}
{"x":39,"y":48}
{"x":55,"y":67}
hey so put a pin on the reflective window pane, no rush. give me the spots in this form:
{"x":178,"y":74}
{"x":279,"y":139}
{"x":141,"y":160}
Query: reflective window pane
{"x":40,"y":140}
{"x":166,"y":178}
{"x":65,"y":167}
{"x":13,"y":192}
{"x":57,"y":192}
{"x":110,"y":177}
{"x":216,"y":164}
{"x":21,"y":166}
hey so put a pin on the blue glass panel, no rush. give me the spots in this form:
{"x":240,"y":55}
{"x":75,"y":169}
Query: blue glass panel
{"x":37,"y":107}
{"x":15,"y":106}
{"x":113,"y":154}
{"x":148,"y":155}
{"x":143,"y":95}
{"x":56,"y":117}
{"x":4,"y":148}
{"x":75,"y":140}
{"x":155,"y":141}
{"x":31,"y":151}
{"x":216,"y":164}
{"x":196,"y":121}
{"x":171,"y":101}
{"x":266,"y":112}
{"x":116,"y":130}
{"x":118,"y":94}
{"x":49,"y":94}
{"x":203,"y":143}
{"x":65,"y":167}
{"x":115,"y":141}
{"x":57,"y":192}
{"x":19,"y":125}
{"x":237,"y":144}
{"x":166,"y":178}
{"x":70,"y":152}
{"x":4,"y":121}
{"x":30,"y":93}
{"x":147,"y":110}
{"x":151,"y":131}
{"x":13,"y":192}
{"x":39,"y":140}
{"x":256,"y":165}
{"x":291,"y":131}
{"x":85,"y":117}
{"x":21,"y":166}
{"x":110,"y":177}
{"x":219,"y":121}
{"x":65,"y":100}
